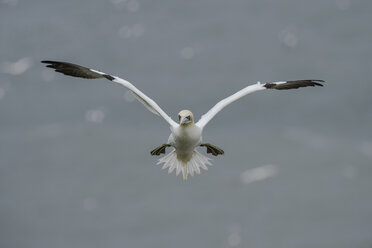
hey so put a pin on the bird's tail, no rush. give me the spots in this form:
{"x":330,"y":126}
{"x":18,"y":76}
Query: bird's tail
{"x":191,"y":167}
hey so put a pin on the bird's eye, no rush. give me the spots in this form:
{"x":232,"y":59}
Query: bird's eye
{"x":188,"y":117}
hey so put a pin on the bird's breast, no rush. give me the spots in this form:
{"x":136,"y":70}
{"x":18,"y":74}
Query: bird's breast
{"x":185,"y":139}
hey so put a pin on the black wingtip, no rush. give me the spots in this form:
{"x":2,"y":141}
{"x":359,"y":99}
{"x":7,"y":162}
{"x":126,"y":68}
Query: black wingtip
{"x":51,"y":64}
{"x":48,"y":62}
{"x":74,"y":70}
{"x":317,"y":82}
{"x":294,"y":84}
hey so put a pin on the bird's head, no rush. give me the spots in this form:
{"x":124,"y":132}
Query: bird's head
{"x":185,"y":117}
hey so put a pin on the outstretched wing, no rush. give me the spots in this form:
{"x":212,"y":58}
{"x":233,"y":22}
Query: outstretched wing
{"x":84,"y":72}
{"x":285,"y":85}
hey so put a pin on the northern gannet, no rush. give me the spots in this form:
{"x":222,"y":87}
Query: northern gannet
{"x":186,"y":135}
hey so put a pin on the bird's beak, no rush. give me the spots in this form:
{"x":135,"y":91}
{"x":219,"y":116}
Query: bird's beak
{"x":183,"y":120}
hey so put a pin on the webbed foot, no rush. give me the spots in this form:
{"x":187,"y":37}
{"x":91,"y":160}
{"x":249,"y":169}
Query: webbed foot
{"x":159,"y":150}
{"x":213,"y":149}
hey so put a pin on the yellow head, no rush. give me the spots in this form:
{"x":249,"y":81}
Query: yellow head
{"x":185,"y":117}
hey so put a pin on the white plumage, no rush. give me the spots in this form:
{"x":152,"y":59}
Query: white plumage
{"x":186,"y":135}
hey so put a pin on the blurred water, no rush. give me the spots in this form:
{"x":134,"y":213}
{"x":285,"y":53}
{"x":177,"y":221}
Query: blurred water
{"x":75,"y":169}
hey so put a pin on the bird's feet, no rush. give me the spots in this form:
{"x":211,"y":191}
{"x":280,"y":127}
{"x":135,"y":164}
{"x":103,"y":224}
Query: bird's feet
{"x":213,"y":149}
{"x":159,"y":150}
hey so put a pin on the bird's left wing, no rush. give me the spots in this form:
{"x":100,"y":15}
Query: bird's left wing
{"x":84,"y":72}
{"x":285,"y":85}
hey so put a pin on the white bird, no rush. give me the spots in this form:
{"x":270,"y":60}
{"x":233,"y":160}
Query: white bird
{"x":186,"y":135}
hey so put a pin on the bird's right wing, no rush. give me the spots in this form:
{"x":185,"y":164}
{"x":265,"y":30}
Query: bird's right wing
{"x":284,"y":85}
{"x":84,"y":72}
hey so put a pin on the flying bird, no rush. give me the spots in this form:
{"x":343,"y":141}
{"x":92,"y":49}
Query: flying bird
{"x":186,"y":134}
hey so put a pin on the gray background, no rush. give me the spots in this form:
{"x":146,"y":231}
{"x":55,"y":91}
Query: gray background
{"x":75,"y":168}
